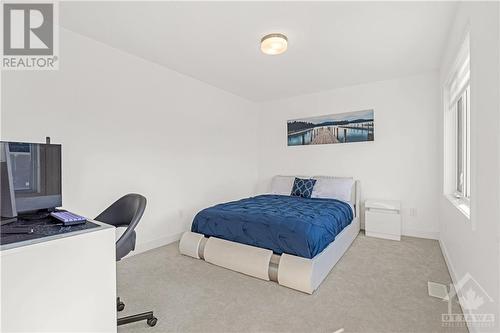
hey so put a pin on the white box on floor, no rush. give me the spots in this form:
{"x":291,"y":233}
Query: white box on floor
{"x":383,"y":219}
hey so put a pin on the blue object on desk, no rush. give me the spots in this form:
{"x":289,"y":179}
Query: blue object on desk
{"x":68,"y":218}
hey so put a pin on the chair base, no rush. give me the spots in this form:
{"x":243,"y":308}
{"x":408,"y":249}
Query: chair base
{"x":151,"y":320}
{"x":119,"y":305}
{"x":149,"y":317}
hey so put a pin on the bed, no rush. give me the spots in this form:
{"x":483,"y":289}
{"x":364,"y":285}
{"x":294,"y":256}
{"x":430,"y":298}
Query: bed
{"x":276,"y":237}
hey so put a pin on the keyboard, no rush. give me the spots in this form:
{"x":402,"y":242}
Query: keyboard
{"x":68,"y":218}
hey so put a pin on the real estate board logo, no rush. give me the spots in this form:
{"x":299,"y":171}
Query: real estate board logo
{"x":29,"y":36}
{"x":471,"y":297}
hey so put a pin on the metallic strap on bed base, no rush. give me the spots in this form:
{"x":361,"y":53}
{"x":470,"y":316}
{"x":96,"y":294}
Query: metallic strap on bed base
{"x":201,"y":248}
{"x":273,"y":267}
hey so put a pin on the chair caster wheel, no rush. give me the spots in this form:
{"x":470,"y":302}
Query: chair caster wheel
{"x":152,"y":321}
{"x":120,"y":306}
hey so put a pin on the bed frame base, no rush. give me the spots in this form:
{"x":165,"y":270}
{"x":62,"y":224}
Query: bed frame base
{"x":287,"y":270}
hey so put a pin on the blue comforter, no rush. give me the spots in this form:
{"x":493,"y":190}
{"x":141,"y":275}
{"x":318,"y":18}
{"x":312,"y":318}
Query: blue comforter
{"x":283,"y":224}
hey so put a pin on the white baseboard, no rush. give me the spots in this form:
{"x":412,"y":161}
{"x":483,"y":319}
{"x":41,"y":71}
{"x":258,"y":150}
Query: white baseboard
{"x":417,"y":233}
{"x":454,"y":279}
{"x":421,"y":234}
{"x":448,"y":262}
{"x":153,"y":244}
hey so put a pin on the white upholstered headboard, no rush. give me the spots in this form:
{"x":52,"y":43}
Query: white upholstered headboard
{"x":283,"y":185}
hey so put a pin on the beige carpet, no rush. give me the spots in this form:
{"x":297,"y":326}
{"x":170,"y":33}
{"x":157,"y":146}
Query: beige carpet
{"x":378,"y":286}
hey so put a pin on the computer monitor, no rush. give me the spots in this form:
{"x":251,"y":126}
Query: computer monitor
{"x":30,"y":177}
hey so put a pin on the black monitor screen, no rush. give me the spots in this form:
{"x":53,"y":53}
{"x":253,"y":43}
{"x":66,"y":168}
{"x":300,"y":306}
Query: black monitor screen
{"x":36,"y":175}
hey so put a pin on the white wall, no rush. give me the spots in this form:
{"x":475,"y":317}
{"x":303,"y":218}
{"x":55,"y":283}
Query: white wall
{"x":128,"y":125}
{"x":402,"y":162}
{"x":472,"y":246}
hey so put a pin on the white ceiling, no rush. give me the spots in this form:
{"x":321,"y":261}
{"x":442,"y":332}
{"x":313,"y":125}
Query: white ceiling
{"x":331,"y":44}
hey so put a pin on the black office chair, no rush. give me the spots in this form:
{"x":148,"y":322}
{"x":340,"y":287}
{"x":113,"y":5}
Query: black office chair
{"x":127,"y":212}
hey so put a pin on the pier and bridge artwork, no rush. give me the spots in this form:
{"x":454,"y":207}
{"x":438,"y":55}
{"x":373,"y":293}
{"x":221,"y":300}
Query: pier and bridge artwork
{"x":333,"y":128}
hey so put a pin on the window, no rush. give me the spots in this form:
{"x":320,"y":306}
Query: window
{"x":457,"y":132}
{"x":462,"y":182}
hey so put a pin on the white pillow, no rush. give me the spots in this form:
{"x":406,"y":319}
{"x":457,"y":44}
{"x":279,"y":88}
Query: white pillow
{"x":282,"y":185}
{"x":339,"y":188}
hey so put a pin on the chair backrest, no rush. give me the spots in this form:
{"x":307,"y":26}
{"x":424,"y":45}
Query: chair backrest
{"x":125,"y":212}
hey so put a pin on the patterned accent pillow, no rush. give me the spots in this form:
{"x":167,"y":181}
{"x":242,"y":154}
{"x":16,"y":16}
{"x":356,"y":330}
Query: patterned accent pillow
{"x":303,"y":187}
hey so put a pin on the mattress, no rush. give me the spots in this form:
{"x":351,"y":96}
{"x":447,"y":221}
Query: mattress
{"x":281,"y":223}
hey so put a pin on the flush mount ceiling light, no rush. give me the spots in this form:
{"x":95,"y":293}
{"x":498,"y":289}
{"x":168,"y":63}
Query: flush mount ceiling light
{"x":274,"y":44}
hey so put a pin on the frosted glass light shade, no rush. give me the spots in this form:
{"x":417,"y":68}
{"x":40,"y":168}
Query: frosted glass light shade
{"x":274,"y":44}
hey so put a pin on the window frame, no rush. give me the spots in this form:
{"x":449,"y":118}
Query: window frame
{"x":465,"y":145}
{"x":457,"y":88}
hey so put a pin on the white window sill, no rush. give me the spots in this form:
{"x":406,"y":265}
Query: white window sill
{"x":463,"y":205}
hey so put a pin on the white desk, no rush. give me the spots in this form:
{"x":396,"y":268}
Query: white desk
{"x":61,"y":283}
